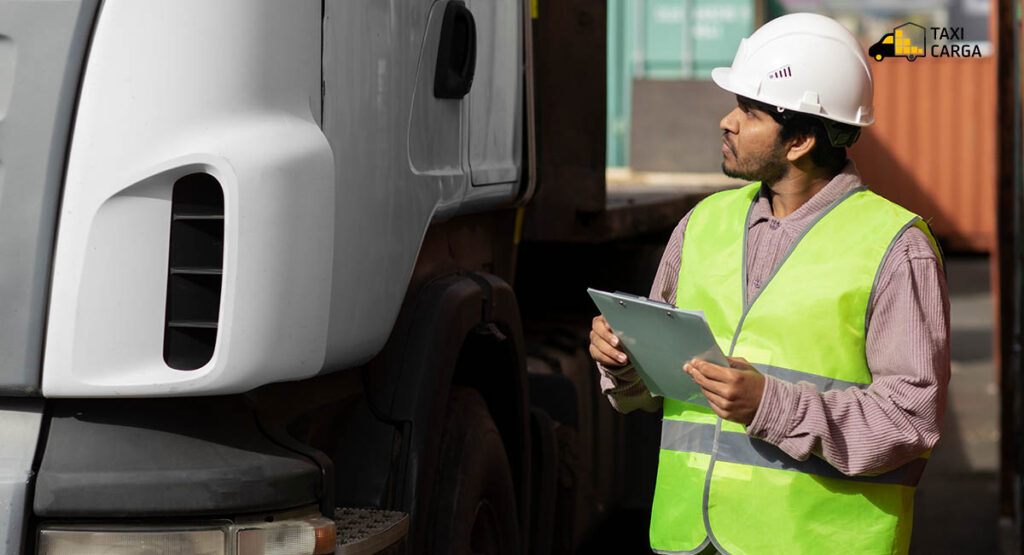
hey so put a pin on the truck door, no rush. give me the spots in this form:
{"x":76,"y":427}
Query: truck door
{"x":495,"y":99}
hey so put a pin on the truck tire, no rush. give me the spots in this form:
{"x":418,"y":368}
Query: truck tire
{"x":474,"y":500}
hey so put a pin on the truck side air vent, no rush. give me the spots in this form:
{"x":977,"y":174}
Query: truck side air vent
{"x":195,"y":271}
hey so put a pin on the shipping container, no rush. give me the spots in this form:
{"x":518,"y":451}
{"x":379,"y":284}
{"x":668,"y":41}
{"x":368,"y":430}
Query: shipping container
{"x":932,"y":148}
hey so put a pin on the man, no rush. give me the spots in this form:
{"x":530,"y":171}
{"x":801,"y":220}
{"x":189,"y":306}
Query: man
{"x":831,"y":304}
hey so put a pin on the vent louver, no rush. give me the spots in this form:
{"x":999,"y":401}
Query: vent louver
{"x":194,"y":272}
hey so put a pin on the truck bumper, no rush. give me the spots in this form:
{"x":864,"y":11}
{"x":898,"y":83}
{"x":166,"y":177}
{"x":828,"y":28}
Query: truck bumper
{"x":143,"y":458}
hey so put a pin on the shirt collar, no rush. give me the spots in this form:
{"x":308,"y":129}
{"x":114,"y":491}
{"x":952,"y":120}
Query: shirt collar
{"x":845,"y":181}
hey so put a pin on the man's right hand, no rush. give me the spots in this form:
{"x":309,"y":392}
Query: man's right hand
{"x":604,"y":345}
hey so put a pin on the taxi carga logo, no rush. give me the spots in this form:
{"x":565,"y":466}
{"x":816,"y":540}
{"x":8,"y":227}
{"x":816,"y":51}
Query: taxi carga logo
{"x":911,"y":41}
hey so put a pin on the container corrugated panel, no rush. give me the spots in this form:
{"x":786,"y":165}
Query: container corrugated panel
{"x":933,"y":146}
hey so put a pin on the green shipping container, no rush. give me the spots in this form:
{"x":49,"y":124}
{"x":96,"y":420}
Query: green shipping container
{"x":685,"y":39}
{"x":666,"y":39}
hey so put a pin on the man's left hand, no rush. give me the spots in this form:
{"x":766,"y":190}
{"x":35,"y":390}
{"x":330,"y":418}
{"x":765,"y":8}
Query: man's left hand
{"x":734,"y":393}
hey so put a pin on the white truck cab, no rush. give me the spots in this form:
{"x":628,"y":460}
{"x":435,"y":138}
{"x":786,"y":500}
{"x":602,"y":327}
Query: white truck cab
{"x":256,"y":292}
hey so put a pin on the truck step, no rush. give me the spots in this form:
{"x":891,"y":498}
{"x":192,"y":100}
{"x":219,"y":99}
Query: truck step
{"x":365,"y":531}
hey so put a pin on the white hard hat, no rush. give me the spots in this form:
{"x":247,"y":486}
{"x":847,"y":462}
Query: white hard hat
{"x":803,"y":62}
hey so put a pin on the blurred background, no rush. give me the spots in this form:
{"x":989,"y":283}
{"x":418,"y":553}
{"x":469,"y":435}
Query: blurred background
{"x":931,"y":150}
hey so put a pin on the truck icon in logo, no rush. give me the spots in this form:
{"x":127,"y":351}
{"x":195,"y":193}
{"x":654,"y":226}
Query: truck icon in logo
{"x":906,"y":41}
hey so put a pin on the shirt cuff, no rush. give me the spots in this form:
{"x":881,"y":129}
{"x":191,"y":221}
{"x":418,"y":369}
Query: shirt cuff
{"x":615,"y":379}
{"x":772,"y":419}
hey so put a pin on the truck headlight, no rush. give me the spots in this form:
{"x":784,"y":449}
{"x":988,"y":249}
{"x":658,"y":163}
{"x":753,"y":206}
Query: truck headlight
{"x":309,"y":536}
{"x":127,"y":541}
{"x":299,"y":536}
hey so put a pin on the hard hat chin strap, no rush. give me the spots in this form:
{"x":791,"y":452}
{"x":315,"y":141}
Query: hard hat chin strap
{"x":841,"y":134}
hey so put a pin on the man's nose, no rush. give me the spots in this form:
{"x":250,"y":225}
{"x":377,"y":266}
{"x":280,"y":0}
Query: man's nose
{"x":728,"y":122}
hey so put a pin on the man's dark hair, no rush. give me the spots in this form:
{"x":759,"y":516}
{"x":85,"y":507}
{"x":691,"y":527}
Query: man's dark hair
{"x":797,"y":124}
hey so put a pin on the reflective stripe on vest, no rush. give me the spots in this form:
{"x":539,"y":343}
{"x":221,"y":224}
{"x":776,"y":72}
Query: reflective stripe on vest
{"x":807,"y":323}
{"x":736,"y":447}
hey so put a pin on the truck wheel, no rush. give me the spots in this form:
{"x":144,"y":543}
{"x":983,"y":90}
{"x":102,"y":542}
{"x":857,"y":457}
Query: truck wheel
{"x":474,"y":501}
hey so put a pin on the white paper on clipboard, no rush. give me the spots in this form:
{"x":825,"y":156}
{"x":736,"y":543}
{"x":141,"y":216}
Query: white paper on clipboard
{"x":659,"y":338}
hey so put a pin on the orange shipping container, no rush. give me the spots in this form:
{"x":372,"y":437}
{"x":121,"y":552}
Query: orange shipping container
{"x":933,"y":146}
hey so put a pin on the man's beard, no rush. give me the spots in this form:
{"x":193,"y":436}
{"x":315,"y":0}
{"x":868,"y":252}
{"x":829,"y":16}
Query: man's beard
{"x":767,"y":168}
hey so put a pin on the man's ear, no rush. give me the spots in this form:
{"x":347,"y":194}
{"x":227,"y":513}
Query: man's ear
{"x":799,"y":146}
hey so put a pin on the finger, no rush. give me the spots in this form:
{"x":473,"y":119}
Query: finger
{"x":607,"y":333}
{"x":718,"y":402}
{"x":718,"y":388}
{"x":607,"y":359}
{"x":604,"y":359}
{"x":714,"y":397}
{"x":612,"y":353}
{"x":609,"y":353}
{"x":607,"y":348}
{"x":713,"y":371}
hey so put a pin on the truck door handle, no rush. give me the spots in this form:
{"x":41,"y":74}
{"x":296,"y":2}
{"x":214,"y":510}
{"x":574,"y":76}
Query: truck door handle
{"x":456,"y":53}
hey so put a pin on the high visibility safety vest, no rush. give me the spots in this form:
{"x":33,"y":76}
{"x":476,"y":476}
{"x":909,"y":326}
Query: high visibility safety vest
{"x":807,"y":323}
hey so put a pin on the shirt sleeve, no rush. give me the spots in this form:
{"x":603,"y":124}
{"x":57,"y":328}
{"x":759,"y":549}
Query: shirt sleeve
{"x":899,"y":416}
{"x":623,"y":387}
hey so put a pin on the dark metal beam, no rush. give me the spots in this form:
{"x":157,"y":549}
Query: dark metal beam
{"x":1007,"y":257}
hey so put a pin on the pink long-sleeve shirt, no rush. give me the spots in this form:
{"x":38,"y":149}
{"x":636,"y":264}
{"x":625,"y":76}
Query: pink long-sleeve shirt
{"x":895,"y":419}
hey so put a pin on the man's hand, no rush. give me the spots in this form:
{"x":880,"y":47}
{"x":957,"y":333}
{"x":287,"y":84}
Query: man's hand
{"x":604,"y":344}
{"x":734,"y":393}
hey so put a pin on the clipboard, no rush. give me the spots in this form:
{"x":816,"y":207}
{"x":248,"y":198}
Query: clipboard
{"x":659,"y":338}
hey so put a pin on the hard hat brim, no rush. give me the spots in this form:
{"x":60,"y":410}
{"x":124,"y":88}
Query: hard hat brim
{"x":722,"y":76}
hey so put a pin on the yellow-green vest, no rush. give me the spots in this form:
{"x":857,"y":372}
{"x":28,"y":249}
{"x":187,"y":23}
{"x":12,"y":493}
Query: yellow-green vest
{"x":807,"y":322}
